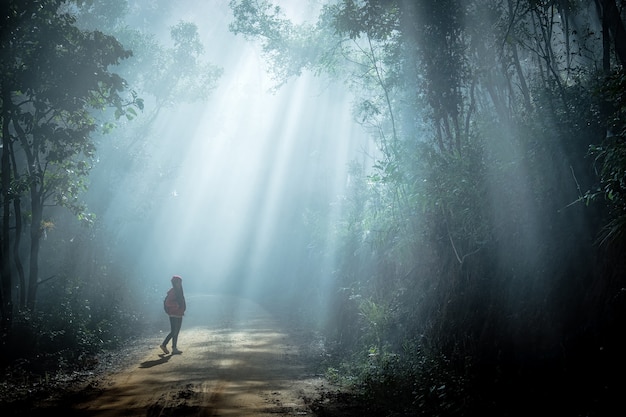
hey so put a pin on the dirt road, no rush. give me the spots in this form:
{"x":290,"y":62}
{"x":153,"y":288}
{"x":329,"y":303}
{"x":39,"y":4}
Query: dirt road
{"x":236,"y":361}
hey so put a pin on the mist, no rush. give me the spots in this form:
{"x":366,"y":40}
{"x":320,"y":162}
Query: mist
{"x":231,"y":180}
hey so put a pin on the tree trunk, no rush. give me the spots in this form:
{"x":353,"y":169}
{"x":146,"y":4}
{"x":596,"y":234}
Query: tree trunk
{"x":606,"y":39}
{"x":17,"y":236}
{"x":611,"y":15}
{"x":35,"y":243}
{"x":6,"y":296}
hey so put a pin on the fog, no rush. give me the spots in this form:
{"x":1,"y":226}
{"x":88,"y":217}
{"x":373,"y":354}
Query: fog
{"x":229,"y":181}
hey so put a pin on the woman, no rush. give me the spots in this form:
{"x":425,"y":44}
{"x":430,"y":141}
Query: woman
{"x":175,"y":307}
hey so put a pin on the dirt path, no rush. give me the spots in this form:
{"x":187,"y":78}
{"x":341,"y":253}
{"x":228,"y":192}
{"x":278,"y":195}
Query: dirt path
{"x":236,"y":362}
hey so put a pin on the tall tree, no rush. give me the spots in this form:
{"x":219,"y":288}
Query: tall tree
{"x":56,"y":78}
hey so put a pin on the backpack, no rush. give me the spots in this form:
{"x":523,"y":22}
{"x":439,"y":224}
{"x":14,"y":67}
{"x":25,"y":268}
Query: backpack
{"x":164,"y":305}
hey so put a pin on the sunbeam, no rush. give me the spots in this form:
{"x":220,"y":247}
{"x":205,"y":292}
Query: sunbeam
{"x":238,"y":172}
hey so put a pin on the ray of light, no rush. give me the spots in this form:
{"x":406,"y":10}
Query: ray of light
{"x":234,"y":175}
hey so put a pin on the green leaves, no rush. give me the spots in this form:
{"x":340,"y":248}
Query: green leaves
{"x":58,"y":81}
{"x":610,"y":160}
{"x":376,"y":20}
{"x":289,"y":48}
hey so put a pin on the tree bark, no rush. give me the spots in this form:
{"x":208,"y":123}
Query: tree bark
{"x":17,"y":236}
{"x":35,"y":242}
{"x":611,"y":17}
{"x":6,"y":296}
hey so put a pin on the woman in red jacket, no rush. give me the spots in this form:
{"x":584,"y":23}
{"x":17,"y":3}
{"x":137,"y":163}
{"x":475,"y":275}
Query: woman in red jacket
{"x":175,"y":307}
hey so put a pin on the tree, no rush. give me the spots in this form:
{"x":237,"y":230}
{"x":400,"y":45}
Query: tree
{"x":56,"y":79}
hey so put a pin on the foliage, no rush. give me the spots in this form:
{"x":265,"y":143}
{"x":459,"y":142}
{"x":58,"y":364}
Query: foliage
{"x":466,"y":233}
{"x":288,"y":47}
{"x":411,"y":382}
{"x":86,"y":308}
{"x":610,"y":159}
{"x":68,"y":326}
{"x":57,"y":80}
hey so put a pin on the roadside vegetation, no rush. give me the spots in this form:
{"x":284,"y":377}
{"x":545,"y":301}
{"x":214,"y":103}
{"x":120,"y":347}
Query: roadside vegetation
{"x":478,"y":267}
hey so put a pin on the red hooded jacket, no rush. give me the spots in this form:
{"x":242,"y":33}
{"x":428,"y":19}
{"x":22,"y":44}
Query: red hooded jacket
{"x":175,"y":304}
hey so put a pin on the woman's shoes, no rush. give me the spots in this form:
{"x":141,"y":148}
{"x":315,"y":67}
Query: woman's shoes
{"x":175,"y":351}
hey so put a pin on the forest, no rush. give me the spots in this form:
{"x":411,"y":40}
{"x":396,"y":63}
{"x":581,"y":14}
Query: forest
{"x":438,"y":191}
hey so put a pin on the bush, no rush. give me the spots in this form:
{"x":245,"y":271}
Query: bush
{"x":414,"y":382}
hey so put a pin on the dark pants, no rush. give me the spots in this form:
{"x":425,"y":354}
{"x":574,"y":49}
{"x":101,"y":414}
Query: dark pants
{"x":175,"y":323}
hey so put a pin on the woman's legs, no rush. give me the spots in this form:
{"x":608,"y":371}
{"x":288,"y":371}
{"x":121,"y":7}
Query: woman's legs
{"x":175,"y":325}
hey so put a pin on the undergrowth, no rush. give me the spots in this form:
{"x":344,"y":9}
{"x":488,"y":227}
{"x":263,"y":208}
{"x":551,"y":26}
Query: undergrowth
{"x":411,"y":382}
